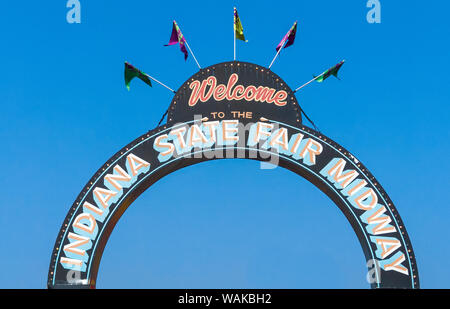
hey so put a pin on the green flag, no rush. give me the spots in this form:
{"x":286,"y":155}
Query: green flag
{"x":332,"y":71}
{"x":131,"y":72}
{"x":238,"y":29}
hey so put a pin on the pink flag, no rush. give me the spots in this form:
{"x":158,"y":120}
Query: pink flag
{"x":177,"y":37}
{"x":290,"y":36}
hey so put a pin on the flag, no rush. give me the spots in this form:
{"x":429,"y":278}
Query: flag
{"x":290,"y":36}
{"x":332,"y":71}
{"x":238,"y":30}
{"x":177,"y":37}
{"x":131,"y":72}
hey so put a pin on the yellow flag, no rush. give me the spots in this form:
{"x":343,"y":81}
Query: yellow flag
{"x":238,"y":27}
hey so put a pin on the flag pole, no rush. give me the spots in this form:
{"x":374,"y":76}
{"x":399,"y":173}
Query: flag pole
{"x":279,"y":50}
{"x":283,"y":42}
{"x":308,"y":83}
{"x":234,"y":33}
{"x":159,"y":82}
{"x":316,"y":78}
{"x":192,"y":54}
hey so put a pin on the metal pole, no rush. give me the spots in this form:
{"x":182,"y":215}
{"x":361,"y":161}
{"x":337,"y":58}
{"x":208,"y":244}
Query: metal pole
{"x":308,"y":83}
{"x":316,"y":77}
{"x":160,"y":83}
{"x":276,"y":55}
{"x":234,"y":33}
{"x":192,"y":54}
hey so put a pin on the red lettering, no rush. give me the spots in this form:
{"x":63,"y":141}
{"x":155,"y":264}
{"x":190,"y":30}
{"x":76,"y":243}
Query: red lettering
{"x":264,"y":94}
{"x":220,"y":92}
{"x":241,"y":90}
{"x":279,"y":97}
{"x":199,"y":91}
{"x":231,"y":82}
{"x":234,"y":92}
{"x":248,"y":90}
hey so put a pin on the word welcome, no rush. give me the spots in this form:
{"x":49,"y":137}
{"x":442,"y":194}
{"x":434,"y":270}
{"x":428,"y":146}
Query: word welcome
{"x":231,"y":91}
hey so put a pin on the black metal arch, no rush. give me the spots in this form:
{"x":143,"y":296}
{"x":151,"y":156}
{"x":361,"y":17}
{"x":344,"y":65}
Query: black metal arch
{"x":60,"y":277}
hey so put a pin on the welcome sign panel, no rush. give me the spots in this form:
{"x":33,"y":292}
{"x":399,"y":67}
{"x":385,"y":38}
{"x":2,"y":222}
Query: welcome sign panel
{"x":235,"y":88}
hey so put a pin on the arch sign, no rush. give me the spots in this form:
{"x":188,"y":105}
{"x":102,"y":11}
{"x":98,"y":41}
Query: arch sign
{"x":233,"y":110}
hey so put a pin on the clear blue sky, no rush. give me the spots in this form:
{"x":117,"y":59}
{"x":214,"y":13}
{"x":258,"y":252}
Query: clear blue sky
{"x":62,"y":94}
